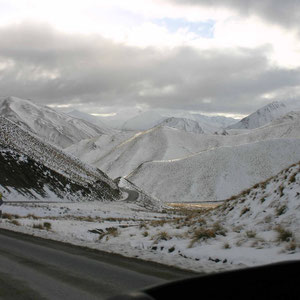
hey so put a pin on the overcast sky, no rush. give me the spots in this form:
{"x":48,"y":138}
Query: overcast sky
{"x":211,"y":56}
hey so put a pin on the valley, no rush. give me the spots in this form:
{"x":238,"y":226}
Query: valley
{"x":201,"y":194}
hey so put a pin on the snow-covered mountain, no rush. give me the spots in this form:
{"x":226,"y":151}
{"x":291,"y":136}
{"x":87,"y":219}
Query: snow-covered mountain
{"x":216,"y":174}
{"x":120,"y":154}
{"x":149,"y":119}
{"x":158,"y":143}
{"x":262,"y":116}
{"x":91,"y":119}
{"x":182,"y":124}
{"x":54,"y":127}
{"x":211,"y":124}
{"x":57,"y":174}
{"x":143,"y":121}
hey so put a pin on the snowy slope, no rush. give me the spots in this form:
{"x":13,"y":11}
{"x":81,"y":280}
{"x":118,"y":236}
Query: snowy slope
{"x":216,"y":174}
{"x":14,"y":138}
{"x":91,"y":119}
{"x":120,"y":154}
{"x":277,"y":197}
{"x":92,"y":150}
{"x":182,"y":124}
{"x":212,"y":124}
{"x":24,"y":179}
{"x":154,"y":144}
{"x":262,"y":116}
{"x":149,"y":119}
{"x":54,"y":127}
{"x":265,"y":216}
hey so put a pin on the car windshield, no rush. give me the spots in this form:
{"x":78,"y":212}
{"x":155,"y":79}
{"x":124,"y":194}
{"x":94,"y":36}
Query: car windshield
{"x":145,"y":141}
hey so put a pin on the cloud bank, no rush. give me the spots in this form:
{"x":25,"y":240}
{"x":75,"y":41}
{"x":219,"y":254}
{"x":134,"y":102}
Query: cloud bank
{"x":40,"y":62}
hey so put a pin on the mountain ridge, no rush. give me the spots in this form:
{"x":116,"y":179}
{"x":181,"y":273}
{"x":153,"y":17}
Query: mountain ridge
{"x":262,"y":116}
{"x":54,"y":127}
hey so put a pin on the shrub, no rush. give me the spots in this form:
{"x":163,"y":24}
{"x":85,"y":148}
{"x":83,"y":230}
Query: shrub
{"x":112,"y":231}
{"x":10,"y":216}
{"x":293,"y":178}
{"x":7,"y":216}
{"x":202,"y":234}
{"x":47,"y":225}
{"x":251,"y":234}
{"x":244,"y":210}
{"x":38,"y":226}
{"x":291,"y":246}
{"x":219,"y":229}
{"x":226,"y":246}
{"x":262,"y":200}
{"x":15,"y":222}
{"x":162,"y":236}
{"x":283,"y":234}
{"x":32,"y":216}
{"x":281,"y":210}
{"x":280,"y":190}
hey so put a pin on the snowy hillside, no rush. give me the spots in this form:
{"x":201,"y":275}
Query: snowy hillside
{"x":24,"y":179}
{"x":211,"y":124}
{"x":216,"y":174}
{"x":54,"y":127}
{"x":276,"y":198}
{"x":92,"y":150}
{"x":91,"y":119}
{"x":14,"y":138}
{"x":262,"y":116}
{"x":182,"y":124}
{"x":154,"y":144}
{"x":149,"y":119}
{"x":120,"y":154}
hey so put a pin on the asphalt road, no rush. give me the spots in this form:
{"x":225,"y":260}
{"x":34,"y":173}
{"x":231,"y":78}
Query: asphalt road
{"x":33,"y":268}
{"x":132,"y":195}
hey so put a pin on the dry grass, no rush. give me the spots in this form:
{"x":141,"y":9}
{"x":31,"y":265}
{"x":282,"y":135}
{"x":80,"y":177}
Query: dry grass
{"x":38,"y":226}
{"x":47,"y":225}
{"x":15,"y":222}
{"x":281,"y":210}
{"x":250,"y":234}
{"x":161,"y":236}
{"x":42,"y":226}
{"x":244,"y":210}
{"x":283,"y":235}
{"x":32,"y":216}
{"x":10,"y":216}
{"x":202,"y":234}
{"x":226,"y":246}
{"x":293,"y":177}
{"x":110,"y":232}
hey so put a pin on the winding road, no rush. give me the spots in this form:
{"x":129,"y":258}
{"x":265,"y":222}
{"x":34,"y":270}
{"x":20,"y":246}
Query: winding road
{"x":34,"y":268}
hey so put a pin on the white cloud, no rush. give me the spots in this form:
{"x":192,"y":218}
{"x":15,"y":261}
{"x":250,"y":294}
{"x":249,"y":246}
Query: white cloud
{"x":131,"y":22}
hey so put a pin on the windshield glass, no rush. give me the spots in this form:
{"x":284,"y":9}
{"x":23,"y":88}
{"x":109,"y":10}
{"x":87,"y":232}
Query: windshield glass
{"x":154,"y":139}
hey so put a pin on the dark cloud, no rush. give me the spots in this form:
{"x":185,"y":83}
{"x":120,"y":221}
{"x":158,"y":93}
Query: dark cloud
{"x":50,"y":67}
{"x":284,"y":13}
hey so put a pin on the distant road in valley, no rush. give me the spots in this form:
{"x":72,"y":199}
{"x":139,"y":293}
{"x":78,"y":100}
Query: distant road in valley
{"x":34,"y":268}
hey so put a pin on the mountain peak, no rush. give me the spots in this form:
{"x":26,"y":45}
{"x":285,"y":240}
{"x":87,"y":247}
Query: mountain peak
{"x":262,"y":116}
{"x":54,"y":127}
{"x":182,"y":124}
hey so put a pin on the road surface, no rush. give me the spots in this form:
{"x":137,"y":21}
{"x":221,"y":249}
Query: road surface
{"x":33,"y":268}
{"x":132,"y":195}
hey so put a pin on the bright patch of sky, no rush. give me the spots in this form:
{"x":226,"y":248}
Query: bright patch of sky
{"x":203,"y":29}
